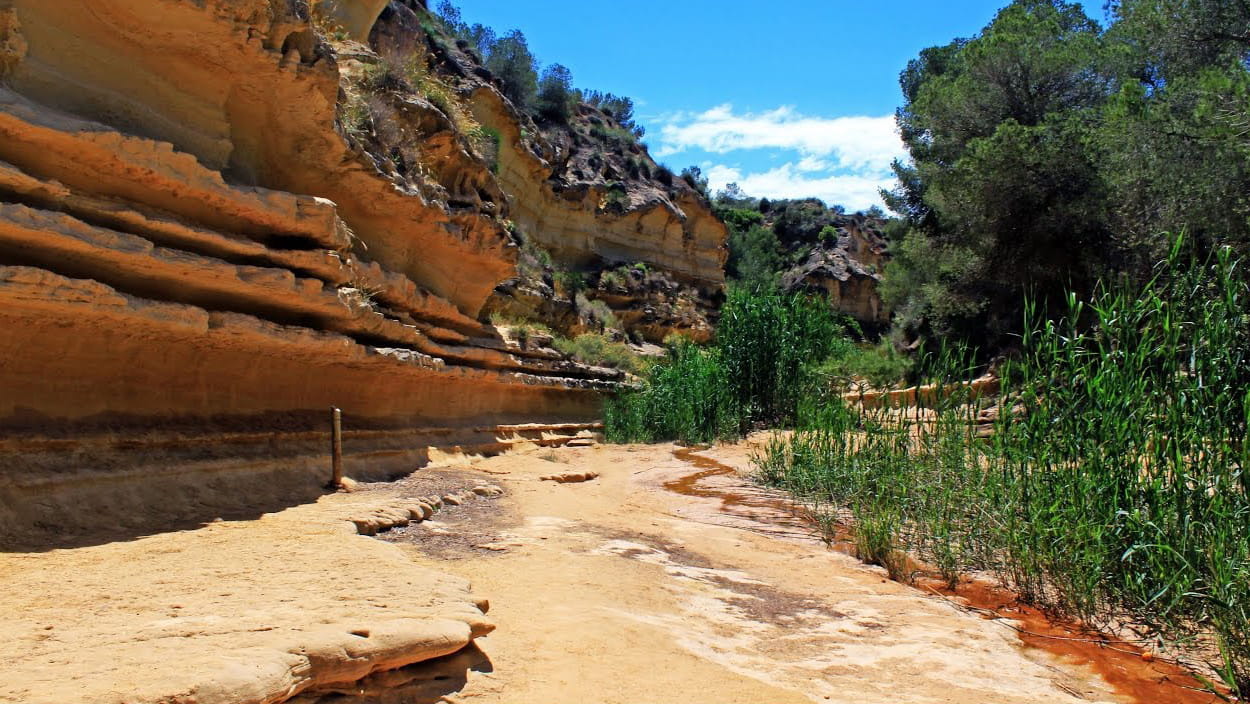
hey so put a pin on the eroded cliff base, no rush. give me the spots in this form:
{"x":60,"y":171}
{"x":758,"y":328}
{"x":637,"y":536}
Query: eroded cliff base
{"x":292,"y":605}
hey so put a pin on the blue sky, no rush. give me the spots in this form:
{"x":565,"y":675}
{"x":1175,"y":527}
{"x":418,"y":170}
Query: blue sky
{"x":789,"y":98}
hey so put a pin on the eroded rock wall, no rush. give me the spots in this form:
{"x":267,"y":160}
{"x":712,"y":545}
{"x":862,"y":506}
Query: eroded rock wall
{"x":570,"y":216}
{"x":583,"y":190}
{"x":195,"y":265}
{"x":247,"y":88}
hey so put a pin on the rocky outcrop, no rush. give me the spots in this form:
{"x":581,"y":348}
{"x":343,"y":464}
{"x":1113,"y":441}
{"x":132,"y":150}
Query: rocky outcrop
{"x":845,"y":268}
{"x":198,"y":259}
{"x":650,"y":305}
{"x":850,"y":287}
{"x":584,"y":190}
{"x":654,"y":305}
{"x":584,"y":211}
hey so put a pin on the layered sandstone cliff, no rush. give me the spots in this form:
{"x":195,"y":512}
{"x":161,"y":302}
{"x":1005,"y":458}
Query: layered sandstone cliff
{"x":570,"y":196}
{"x":197,"y":260}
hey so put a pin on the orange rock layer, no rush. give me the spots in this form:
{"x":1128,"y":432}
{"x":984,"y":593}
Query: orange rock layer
{"x":195,"y":266}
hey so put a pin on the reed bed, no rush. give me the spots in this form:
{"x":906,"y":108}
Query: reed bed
{"x":1114,"y":486}
{"x":755,"y":374}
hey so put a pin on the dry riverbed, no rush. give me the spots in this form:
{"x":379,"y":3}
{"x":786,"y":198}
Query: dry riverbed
{"x":666,"y":577}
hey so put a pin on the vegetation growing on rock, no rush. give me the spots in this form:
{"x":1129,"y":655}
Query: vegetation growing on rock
{"x":805,"y":245}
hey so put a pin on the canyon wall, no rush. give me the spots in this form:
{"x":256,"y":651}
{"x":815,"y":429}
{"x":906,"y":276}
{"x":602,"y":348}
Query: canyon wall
{"x":585,"y":191}
{"x":196,"y":263}
{"x":563,"y":201}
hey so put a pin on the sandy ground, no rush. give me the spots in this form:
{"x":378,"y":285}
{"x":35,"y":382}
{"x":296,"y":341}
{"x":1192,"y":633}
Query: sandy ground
{"x":233,"y":612}
{"x":621,"y":590}
{"x":618,"y":589}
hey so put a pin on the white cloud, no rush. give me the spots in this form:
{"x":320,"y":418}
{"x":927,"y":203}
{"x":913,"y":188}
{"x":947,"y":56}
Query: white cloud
{"x":841,"y":160}
{"x":811,"y":163}
{"x":857,"y":142}
{"x":852,"y":191}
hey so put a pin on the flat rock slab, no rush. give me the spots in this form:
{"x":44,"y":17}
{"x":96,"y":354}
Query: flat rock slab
{"x":233,"y":612}
{"x":626,"y":590}
{"x":570,"y":477}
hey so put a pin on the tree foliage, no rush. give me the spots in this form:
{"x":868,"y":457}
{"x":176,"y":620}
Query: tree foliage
{"x":1176,"y":136}
{"x":555,"y":94}
{"x":694,"y":177}
{"x":550,"y":98}
{"x":512,"y":63}
{"x":618,"y":107}
{"x":1047,"y":152}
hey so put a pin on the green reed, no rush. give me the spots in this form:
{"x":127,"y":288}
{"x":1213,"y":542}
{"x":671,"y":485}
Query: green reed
{"x":755,"y":374}
{"x":1114,"y":482}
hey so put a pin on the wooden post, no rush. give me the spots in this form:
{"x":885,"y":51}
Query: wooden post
{"x":336,"y":448}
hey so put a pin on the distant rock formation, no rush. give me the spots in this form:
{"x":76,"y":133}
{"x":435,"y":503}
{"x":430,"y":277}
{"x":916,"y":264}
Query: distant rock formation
{"x":847,"y":272}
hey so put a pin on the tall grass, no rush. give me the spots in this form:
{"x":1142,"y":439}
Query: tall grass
{"x":1114,"y":485}
{"x":756,"y":373}
{"x":688,"y":397}
{"x":771,"y":344}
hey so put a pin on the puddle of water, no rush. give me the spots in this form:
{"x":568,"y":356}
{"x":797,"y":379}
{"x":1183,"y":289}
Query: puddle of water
{"x":736,"y":498}
{"x":1137,"y":678}
{"x":689,"y":484}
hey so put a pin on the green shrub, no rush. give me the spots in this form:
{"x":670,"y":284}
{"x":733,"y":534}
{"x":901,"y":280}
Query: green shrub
{"x":755,"y":258}
{"x":758,"y":371}
{"x":880,"y":365}
{"x":617,"y":198}
{"x":599,"y":350}
{"x":570,"y":282}
{"x":613,"y":278}
{"x":613,"y":135}
{"x":555,"y":94}
{"x":664,"y":175}
{"x":687,"y":397}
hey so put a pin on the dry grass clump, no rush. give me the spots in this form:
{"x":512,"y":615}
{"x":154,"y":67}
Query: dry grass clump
{"x":413,"y":74}
{"x":321,"y":13}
